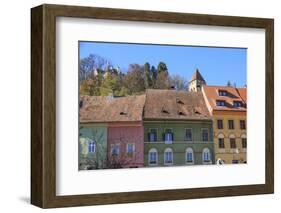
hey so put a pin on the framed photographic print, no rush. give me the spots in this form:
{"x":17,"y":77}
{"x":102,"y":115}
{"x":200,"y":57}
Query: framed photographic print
{"x":136,"y":106}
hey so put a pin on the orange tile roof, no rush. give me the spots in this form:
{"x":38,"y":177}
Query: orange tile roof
{"x":211,"y":95}
{"x":109,"y":109}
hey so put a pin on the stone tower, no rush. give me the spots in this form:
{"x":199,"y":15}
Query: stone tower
{"x":196,"y":82}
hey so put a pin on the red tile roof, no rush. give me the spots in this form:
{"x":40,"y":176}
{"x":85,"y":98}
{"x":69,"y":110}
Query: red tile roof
{"x":211,"y":94}
{"x":172,"y":104}
{"x":109,"y":109}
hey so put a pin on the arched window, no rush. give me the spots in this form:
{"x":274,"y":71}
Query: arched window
{"x":221,"y":141}
{"x":152,"y":157}
{"x":232,"y":141}
{"x":244,"y":141}
{"x":168,"y":156}
{"x":206,"y":155}
{"x":189,"y":158}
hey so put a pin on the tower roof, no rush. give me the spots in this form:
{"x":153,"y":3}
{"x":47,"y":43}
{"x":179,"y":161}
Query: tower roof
{"x":197,"y":76}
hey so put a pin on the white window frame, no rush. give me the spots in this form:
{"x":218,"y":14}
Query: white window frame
{"x":189,"y":150}
{"x":202,"y":134}
{"x":156,"y":135}
{"x":191,"y":134}
{"x":127,"y":148}
{"x":155,"y":151}
{"x":209,"y":154}
{"x":112,"y":148}
{"x":168,"y":142}
{"x":172,"y":155}
{"x":93,"y":146}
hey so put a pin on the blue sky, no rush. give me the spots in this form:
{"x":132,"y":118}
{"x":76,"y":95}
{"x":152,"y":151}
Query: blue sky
{"x":217,"y":65}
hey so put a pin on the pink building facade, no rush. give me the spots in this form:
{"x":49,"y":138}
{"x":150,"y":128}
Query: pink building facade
{"x":125,"y":147}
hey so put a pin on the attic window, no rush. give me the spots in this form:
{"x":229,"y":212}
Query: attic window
{"x":220,"y":103}
{"x":164,"y":111}
{"x":222,"y":93}
{"x":181,"y":113}
{"x":179,"y":101}
{"x":123,"y":113}
{"x":197,"y":112}
{"x":237,"y":103}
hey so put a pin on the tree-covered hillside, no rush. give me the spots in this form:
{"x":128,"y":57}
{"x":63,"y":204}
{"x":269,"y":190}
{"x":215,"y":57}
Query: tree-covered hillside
{"x":98,"y":77}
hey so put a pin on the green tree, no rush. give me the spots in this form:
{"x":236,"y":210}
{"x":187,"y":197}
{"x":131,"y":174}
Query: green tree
{"x":147,"y":72}
{"x":153,"y":76}
{"x":228,"y":83}
{"x":162,"y":81}
{"x":162,"y":67}
{"x":134,"y":79}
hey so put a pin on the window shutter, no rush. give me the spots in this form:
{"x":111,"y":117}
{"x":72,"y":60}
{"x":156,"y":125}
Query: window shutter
{"x":163,"y":136}
{"x":172,"y":136}
{"x":155,"y":137}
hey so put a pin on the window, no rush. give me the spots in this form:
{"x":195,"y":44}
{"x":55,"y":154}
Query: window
{"x":130,"y":148}
{"x":115,"y":149}
{"x":237,"y":103}
{"x":220,"y":103}
{"x":242,"y":124}
{"x":222,"y":93}
{"x":168,"y":156}
{"x":188,"y":134}
{"x":235,"y":161}
{"x":189,"y":155}
{"x":91,"y":147}
{"x":244,"y":143}
{"x":206,"y":155}
{"x":220,"y":124}
{"x":168,"y":136}
{"x":205,"y":135}
{"x":230,"y":124}
{"x":152,"y":157}
{"x":221,"y":143}
{"x":152,"y":135}
{"x":232,"y":143}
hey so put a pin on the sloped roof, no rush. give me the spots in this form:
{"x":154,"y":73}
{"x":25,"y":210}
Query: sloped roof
{"x":197,"y":76}
{"x":243,"y":93}
{"x":109,"y":109}
{"x":172,"y":104}
{"x":234,"y":94}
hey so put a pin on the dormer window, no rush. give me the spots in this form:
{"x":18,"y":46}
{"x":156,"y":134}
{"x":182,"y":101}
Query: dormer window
{"x":220,"y":103}
{"x":237,"y":103}
{"x":181,"y":113}
{"x":222,"y":93}
{"x":179,"y":101}
{"x":164,"y":111}
{"x":123,"y":113}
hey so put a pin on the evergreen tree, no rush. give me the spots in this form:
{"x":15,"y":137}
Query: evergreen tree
{"x":147,"y":72}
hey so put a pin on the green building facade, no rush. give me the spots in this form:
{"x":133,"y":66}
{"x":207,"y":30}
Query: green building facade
{"x":187,"y":144}
{"x":92,"y":146}
{"x":177,"y":129}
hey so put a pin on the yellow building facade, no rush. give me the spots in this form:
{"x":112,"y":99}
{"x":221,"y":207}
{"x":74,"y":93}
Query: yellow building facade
{"x":230,"y":143}
{"x":228,"y":107}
